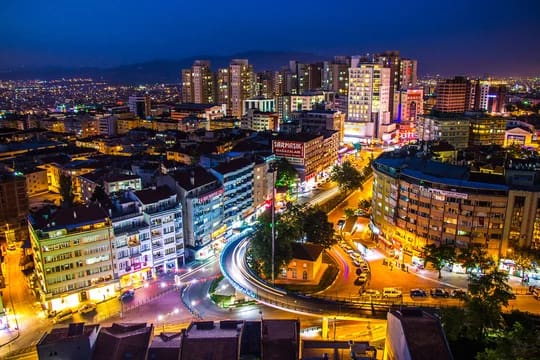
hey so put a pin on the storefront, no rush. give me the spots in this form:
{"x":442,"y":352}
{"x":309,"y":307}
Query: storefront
{"x":64,"y":302}
{"x":135,"y":278}
{"x":102,"y":293}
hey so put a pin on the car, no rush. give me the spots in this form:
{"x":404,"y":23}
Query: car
{"x":340,"y":223}
{"x":87,"y":308}
{"x":126,"y":294}
{"x":64,"y":315}
{"x":439,"y":293}
{"x":361,"y":280}
{"x":372,"y":293}
{"x":391,"y":293}
{"x":12,"y":246}
{"x":358,"y":271}
{"x":458,"y":293}
{"x":418,"y":293}
{"x":357,"y":264}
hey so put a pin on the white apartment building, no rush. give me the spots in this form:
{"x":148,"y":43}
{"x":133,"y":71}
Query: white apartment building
{"x":368,"y":115}
{"x":164,"y":214}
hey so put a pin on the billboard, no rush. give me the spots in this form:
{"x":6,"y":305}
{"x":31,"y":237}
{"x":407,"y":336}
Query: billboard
{"x":288,"y":148}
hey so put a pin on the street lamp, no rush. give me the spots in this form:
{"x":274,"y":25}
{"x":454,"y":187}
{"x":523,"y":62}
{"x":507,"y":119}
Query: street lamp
{"x":273,"y":169}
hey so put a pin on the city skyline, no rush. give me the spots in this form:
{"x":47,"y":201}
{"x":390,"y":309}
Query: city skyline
{"x":458,"y":38}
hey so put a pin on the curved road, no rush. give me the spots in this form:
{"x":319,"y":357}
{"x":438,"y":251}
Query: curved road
{"x":234,"y":268}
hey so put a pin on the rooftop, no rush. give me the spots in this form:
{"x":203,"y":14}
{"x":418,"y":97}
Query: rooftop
{"x":74,"y":332}
{"x":123,"y":341}
{"x":193,"y":178}
{"x":306,"y":251}
{"x":423,"y":334}
{"x":154,"y":195}
{"x":232,"y":165}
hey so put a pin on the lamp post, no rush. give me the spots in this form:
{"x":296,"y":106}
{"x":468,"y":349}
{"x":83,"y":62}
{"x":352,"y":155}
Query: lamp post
{"x":272,"y":168}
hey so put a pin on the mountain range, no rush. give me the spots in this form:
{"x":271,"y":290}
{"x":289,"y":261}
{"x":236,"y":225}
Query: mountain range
{"x":157,"y":71}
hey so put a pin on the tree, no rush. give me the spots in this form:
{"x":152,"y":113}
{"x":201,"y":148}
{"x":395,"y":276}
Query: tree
{"x":260,"y":250}
{"x":439,"y":255}
{"x":523,"y":260}
{"x":286,"y":174}
{"x":100,"y":196}
{"x":349,"y":212}
{"x":474,"y":256}
{"x":347,"y":177}
{"x":517,"y":343}
{"x":488,"y":292}
{"x":66,"y":190}
{"x":317,"y":229}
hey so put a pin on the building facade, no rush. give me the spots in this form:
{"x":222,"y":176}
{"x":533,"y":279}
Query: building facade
{"x":73,"y":255}
{"x":418,"y":202}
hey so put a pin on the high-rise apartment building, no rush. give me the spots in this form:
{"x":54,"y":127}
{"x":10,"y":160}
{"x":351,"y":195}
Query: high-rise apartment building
{"x":368,"y":103}
{"x":408,"y":104}
{"x":241,"y":84}
{"x":408,"y":73}
{"x":265,"y":84}
{"x":187,"y":86}
{"x":202,"y":82}
{"x":453,"y":95}
{"x":222,"y":87}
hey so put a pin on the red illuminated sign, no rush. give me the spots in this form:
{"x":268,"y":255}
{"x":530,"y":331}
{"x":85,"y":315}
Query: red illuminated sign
{"x":288,"y":148}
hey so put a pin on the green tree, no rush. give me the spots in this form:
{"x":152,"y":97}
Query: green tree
{"x":347,"y":177}
{"x":66,"y":190}
{"x":474,"y":257}
{"x":439,"y":255}
{"x":365,"y":204}
{"x":523,"y":259}
{"x":487,"y":293}
{"x":316,"y":227}
{"x":286,"y":174}
{"x":260,"y":249}
{"x":517,"y":343}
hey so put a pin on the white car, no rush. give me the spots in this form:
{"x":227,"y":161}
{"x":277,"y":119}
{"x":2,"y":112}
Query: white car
{"x":391,"y":293}
{"x":372,"y":293}
{"x":87,"y":308}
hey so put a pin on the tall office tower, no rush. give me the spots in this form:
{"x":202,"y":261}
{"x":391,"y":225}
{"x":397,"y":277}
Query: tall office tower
{"x":242,"y":85}
{"x":315,"y":71}
{"x":140,"y":106}
{"x":265,"y":84}
{"x":327,"y":78}
{"x":368,"y":102}
{"x":408,"y":103}
{"x":496,"y":99}
{"x":283,"y":108}
{"x":202,"y":81}
{"x":391,"y":60}
{"x":340,"y":75}
{"x":408,"y":73}
{"x":283,"y":82}
{"x":453,"y":95}
{"x":478,"y":95}
{"x":187,"y":88}
{"x":222,"y":88}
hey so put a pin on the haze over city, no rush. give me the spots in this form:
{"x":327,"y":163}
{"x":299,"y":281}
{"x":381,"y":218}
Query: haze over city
{"x":458,"y":37}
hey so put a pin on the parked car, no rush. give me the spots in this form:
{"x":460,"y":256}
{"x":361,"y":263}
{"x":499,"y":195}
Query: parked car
{"x":127,"y":294}
{"x":418,"y":293}
{"x":12,"y":246}
{"x":459,"y":293}
{"x":439,"y":292}
{"x":358,"y":271}
{"x":361,"y":280}
{"x":372,"y":293}
{"x":64,"y":315}
{"x":511,"y":295}
{"x":87,"y":308}
{"x":357,"y":264}
{"x":391,"y":293}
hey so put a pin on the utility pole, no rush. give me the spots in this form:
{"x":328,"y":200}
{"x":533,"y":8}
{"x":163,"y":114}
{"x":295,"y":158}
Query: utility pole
{"x":273,"y":209}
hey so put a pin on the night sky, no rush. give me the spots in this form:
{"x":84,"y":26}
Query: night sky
{"x":446,"y":36}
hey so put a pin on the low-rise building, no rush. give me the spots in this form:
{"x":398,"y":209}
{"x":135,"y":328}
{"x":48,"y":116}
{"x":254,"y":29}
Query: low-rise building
{"x":77,"y":341}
